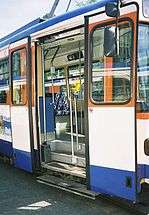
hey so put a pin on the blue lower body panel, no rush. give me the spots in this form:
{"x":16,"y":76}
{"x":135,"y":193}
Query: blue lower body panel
{"x":143,"y":171}
{"x":147,"y":171}
{"x":119,"y":183}
{"x":23,"y":160}
{"x":6,"y":148}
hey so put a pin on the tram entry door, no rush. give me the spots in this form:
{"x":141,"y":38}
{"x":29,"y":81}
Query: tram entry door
{"x":111,"y":60}
{"x":62,"y":124}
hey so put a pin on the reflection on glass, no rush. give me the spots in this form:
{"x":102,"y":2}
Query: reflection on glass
{"x":19,"y":76}
{"x":111,"y":75}
{"x":146,"y":8}
{"x":143,"y":68}
{"x":4,"y":81}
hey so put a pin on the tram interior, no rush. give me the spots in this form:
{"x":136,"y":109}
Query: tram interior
{"x":64,"y":102}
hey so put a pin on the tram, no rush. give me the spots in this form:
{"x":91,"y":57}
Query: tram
{"x":74,"y":97}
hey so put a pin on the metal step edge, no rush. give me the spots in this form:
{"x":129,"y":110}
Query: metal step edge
{"x":89,"y":194}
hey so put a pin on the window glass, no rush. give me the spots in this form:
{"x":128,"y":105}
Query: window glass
{"x":146,"y":8}
{"x":111,"y":69}
{"x":56,"y":73}
{"x":4,"y":81}
{"x":143,"y":68}
{"x":19,"y":77}
{"x":76,"y":80}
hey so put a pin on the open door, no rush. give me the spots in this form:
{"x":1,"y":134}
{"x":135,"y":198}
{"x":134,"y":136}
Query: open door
{"x":21,"y":104}
{"x":110,"y":79}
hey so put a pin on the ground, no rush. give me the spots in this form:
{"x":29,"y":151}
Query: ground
{"x":21,"y":194}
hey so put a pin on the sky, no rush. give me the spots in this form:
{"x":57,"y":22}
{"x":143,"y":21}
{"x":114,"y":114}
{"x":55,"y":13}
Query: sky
{"x":16,"y":13}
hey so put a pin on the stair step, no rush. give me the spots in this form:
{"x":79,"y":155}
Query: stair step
{"x":67,"y":185}
{"x":67,"y":158}
{"x":59,"y":145}
{"x":65,"y":168}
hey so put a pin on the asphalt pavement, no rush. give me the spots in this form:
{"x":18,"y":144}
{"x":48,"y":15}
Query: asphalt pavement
{"x":21,"y":194}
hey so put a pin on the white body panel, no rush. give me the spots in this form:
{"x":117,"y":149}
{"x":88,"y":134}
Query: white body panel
{"x":112,"y":137}
{"x":4,"y":52}
{"x":34,"y":128}
{"x":20,"y":128}
{"x":18,"y":43}
{"x":142,"y":135}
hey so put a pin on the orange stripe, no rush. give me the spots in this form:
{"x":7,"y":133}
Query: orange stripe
{"x":108,"y":85}
{"x":142,"y":115}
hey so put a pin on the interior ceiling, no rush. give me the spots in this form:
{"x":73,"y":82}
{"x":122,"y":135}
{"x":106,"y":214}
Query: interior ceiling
{"x":65,"y":47}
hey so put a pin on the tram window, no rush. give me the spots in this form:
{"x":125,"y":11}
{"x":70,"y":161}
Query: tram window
{"x":4,"y":81}
{"x":143,"y":69}
{"x":19,"y":77}
{"x":111,"y":76}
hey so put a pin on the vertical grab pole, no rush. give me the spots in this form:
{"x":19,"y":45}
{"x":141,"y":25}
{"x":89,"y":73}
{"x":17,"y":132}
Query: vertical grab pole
{"x":44,"y":99}
{"x":80,"y":88}
{"x":71,"y":125}
{"x":71,"y":119}
{"x":76,"y":121}
{"x":52,"y":72}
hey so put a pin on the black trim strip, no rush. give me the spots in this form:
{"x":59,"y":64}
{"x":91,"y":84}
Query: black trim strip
{"x":136,"y":90}
{"x":29,"y":79}
{"x":37,"y":109}
{"x":86,"y":94}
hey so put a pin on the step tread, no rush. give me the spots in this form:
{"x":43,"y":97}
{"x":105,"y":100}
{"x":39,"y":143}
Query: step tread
{"x":65,"y":142}
{"x":67,"y":184}
{"x":64,"y":153}
{"x":66,"y":168}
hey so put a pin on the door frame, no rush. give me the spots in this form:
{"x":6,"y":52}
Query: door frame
{"x":27,"y":46}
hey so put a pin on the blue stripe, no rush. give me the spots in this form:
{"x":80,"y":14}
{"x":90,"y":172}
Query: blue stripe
{"x":6,"y":148}
{"x":23,"y":160}
{"x":53,"y":21}
{"x":112,"y":182}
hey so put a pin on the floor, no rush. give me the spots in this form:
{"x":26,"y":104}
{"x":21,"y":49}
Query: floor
{"x":21,"y":194}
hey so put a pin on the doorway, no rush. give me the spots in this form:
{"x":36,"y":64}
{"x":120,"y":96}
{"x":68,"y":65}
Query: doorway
{"x":62,"y":103}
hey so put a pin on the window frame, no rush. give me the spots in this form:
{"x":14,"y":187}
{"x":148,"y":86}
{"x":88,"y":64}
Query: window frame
{"x":112,"y":22}
{"x":2,"y":59}
{"x":15,"y":50}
